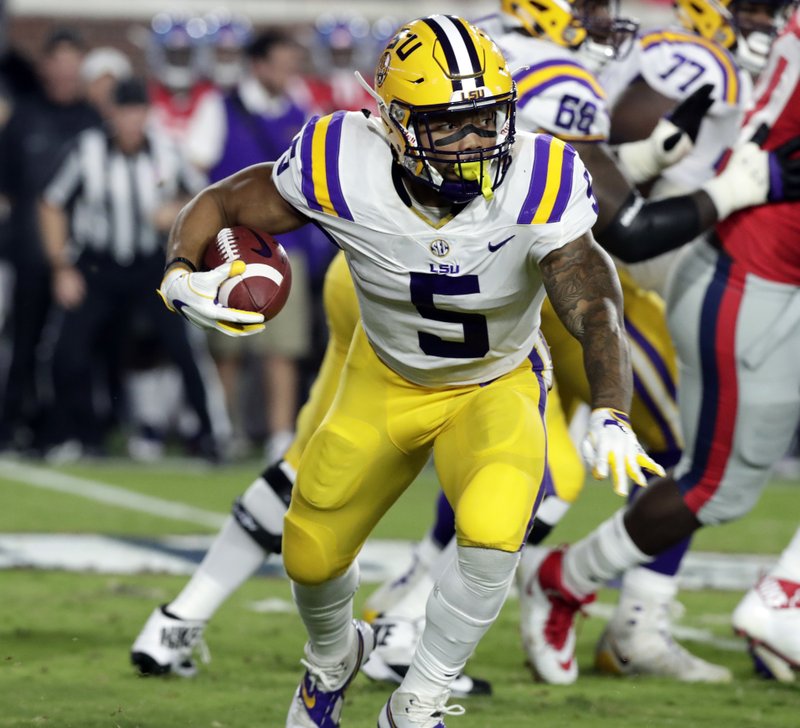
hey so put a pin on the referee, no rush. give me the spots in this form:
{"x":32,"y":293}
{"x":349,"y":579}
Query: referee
{"x":104,"y":217}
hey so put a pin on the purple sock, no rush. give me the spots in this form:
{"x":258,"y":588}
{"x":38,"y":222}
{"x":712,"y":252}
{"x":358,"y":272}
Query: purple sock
{"x":445,"y":527}
{"x":668,"y":561}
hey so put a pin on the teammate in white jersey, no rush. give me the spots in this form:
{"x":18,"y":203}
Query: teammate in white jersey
{"x":723,"y":45}
{"x":733,"y":312}
{"x":453,"y":230}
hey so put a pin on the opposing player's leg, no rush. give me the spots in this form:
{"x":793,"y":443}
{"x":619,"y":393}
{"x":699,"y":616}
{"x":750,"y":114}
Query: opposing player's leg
{"x":739,"y":408}
{"x":638,"y":638}
{"x":768,"y":617}
{"x":254,"y":529}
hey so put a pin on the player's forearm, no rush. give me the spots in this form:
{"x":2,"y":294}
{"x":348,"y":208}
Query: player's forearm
{"x":196,"y":225}
{"x":246,"y":198}
{"x":606,"y":357}
{"x":644,"y":229}
{"x":584,"y":290}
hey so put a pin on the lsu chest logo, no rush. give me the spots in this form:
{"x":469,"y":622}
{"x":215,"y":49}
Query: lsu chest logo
{"x":440,"y":248}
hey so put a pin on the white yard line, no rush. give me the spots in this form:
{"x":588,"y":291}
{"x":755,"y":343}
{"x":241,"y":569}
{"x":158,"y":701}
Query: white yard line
{"x":109,"y":494}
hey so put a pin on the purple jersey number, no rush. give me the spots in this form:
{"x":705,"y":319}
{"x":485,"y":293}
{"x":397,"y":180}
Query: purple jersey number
{"x":573,"y":113}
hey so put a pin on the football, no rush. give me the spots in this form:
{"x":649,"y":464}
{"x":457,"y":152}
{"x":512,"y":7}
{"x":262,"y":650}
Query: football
{"x":265,"y":284}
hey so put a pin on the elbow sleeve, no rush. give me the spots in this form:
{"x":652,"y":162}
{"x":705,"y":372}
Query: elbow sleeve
{"x":644,"y":229}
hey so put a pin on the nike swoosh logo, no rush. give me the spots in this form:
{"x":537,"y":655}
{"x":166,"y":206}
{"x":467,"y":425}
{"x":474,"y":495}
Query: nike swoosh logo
{"x":308,"y":700}
{"x":264,"y":250}
{"x":499,"y":245}
{"x":565,"y":665}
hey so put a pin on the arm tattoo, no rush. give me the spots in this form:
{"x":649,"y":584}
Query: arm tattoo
{"x":584,"y":290}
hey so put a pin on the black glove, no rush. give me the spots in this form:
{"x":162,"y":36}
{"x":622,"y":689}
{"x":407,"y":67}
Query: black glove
{"x":689,"y":113}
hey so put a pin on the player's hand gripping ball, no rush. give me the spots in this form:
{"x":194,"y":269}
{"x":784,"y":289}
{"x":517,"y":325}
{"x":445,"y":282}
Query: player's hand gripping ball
{"x":264,"y":286}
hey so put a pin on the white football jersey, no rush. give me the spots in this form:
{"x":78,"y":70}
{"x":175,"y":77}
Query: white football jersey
{"x":675,"y":63}
{"x":456,"y":303}
{"x":555,"y":92}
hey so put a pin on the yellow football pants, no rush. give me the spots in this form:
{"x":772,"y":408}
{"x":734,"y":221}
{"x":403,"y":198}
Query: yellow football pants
{"x":341,"y":313}
{"x":488,"y":444}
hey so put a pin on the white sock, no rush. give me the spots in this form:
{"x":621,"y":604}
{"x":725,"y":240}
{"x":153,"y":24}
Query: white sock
{"x":462,"y":606}
{"x":233,"y":557}
{"x":788,"y":566}
{"x":647,"y":585}
{"x":327,"y":611}
{"x":603,"y":554}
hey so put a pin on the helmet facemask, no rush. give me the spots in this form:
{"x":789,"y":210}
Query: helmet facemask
{"x":593,"y":28}
{"x":609,"y":35}
{"x":437,"y":72}
{"x":477,"y":171}
{"x":754,"y":35}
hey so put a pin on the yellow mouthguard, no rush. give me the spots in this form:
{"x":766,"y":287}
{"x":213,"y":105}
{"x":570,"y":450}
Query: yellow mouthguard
{"x":472,"y":171}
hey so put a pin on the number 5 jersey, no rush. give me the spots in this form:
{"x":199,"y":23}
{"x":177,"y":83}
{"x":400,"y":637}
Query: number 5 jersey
{"x":443,"y":303}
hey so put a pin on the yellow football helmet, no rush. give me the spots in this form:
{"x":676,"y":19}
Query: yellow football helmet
{"x":443,"y":65}
{"x":731,"y":24}
{"x":592,"y":27}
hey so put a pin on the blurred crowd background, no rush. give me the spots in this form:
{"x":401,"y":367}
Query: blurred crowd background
{"x":111,"y":118}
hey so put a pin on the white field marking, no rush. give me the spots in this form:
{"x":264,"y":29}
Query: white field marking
{"x":109,"y":494}
{"x":272,"y":606}
{"x":680,"y":631}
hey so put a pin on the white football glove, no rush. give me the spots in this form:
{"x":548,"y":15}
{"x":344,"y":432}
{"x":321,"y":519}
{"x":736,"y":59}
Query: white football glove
{"x":744,"y":182}
{"x":647,"y":159}
{"x":672,"y":139}
{"x":194,"y":296}
{"x":611,"y":444}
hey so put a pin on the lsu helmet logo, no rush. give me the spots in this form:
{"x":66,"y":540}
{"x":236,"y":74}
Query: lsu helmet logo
{"x":383,"y":69}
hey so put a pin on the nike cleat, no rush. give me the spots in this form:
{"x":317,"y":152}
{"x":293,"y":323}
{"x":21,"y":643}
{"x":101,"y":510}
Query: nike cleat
{"x":406,"y":710}
{"x":319,"y":698}
{"x":166,"y":645}
{"x":768,"y":617}
{"x":655,"y":653}
{"x":547,"y":622}
{"x":396,"y":641}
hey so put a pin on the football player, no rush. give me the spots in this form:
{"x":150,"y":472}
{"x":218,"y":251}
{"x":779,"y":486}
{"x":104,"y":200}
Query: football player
{"x":557,"y":50}
{"x":439,"y":364}
{"x":733,"y":313}
{"x":219,"y":574}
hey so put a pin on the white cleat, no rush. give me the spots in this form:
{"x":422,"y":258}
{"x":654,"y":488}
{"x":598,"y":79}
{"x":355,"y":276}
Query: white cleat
{"x":769,"y":618}
{"x":406,"y":710}
{"x":547,"y":622}
{"x":396,"y":641}
{"x":166,"y":645}
{"x":643,"y":645}
{"x":414,"y":583}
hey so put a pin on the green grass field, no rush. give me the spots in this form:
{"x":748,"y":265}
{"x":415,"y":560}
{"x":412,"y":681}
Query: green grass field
{"x":64,"y":637}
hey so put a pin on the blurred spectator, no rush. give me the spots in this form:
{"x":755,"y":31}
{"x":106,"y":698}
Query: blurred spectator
{"x":175,"y":55}
{"x":254,"y":123}
{"x":340,"y":46}
{"x":30,"y":145}
{"x":104,"y":216}
{"x":102,"y":68}
{"x":227,"y":36}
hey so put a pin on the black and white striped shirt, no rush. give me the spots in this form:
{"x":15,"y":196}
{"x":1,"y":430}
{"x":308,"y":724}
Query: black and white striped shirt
{"x":111,"y":197}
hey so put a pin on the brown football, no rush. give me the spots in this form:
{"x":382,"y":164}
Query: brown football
{"x":264,"y":286}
